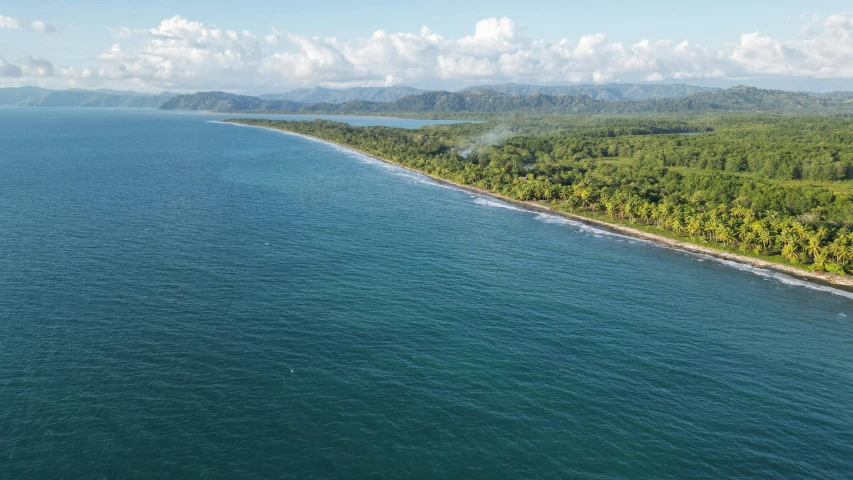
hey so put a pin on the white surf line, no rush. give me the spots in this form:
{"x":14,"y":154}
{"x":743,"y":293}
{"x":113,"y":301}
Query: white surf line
{"x":743,"y":267}
{"x":363,"y":157}
{"x":773,"y":275}
{"x":488,"y":202}
{"x":494,"y":202}
{"x":558,"y":219}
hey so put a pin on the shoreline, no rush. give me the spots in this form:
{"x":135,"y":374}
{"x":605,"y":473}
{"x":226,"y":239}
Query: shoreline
{"x":818,"y":278}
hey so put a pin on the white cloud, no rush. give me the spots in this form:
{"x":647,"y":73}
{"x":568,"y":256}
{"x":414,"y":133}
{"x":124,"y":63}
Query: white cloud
{"x":8,"y":70}
{"x":491,"y":35}
{"x":825,"y":51}
{"x":9,"y":22}
{"x":462,"y":67}
{"x":315,"y":61}
{"x":35,"y":67}
{"x":42,"y":27}
{"x":178,"y":53}
{"x":182,"y":54}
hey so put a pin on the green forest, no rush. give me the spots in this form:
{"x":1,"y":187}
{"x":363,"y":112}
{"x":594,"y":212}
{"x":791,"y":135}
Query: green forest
{"x":775,"y":187}
{"x":465,"y":103}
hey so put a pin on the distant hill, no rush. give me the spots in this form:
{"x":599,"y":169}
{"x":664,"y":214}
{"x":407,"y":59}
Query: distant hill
{"x":226,"y":102}
{"x":329,"y":95}
{"x":40,"y":97}
{"x":735,"y":100}
{"x":470,"y":101}
{"x":107,"y":91}
{"x":751,"y":99}
{"x":732,"y":100}
{"x":614,"y":91}
{"x":836,"y":95}
{"x":526,"y":99}
{"x":16,"y":95}
{"x":71,"y":98}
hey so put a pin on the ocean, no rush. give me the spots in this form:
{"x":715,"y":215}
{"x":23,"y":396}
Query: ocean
{"x":182,"y":298}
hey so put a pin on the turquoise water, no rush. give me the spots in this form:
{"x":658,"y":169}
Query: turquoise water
{"x":190,"y":299}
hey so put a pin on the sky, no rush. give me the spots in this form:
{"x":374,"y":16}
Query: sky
{"x":264,"y":47}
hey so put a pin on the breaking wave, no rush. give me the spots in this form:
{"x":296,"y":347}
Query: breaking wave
{"x":487,"y":202}
{"x":777,"y":276}
{"x":599,"y":232}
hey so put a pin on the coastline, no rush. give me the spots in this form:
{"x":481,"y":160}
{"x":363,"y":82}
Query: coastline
{"x":820,"y":278}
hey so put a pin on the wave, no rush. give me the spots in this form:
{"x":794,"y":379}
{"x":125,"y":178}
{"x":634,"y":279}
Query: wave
{"x":419,"y":179}
{"x":777,"y":276}
{"x":361,"y":157}
{"x":584,"y":227}
{"x":486,"y":202}
{"x":599,"y":232}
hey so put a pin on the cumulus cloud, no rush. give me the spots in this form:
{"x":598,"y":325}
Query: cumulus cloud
{"x":9,"y":22}
{"x":35,"y":67}
{"x":826,"y":51}
{"x":42,"y":27}
{"x":180,"y":53}
{"x":491,"y":35}
{"x":315,"y":60}
{"x":8,"y":70}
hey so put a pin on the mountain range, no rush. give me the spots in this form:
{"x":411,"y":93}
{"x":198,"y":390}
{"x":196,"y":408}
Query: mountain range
{"x":329,"y":95}
{"x":613,"y":91}
{"x":506,"y":98}
{"x":734,"y":100}
{"x":41,"y":97}
{"x":227,"y":102}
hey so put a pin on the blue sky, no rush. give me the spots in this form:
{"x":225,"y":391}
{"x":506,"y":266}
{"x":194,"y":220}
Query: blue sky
{"x":282,"y":45}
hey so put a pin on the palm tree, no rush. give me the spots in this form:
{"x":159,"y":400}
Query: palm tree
{"x":813,"y":247}
{"x":629,"y":208}
{"x":763,"y":234}
{"x":743,"y":212}
{"x":694,"y":225}
{"x":845,"y":257}
{"x":583,"y":192}
{"x":744,"y":233}
{"x":645,"y":211}
{"x":677,"y":225}
{"x":610,"y":204}
{"x":725,"y":233}
{"x":820,"y":259}
{"x":800,"y":230}
{"x":789,"y":251}
{"x":838,"y":248}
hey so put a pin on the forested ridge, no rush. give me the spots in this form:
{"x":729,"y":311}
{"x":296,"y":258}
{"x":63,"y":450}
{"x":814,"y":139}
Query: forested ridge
{"x":772,"y":187}
{"x":613,"y":91}
{"x":226,"y":102}
{"x":736,"y":99}
{"x":732,"y":100}
{"x":42,"y":97}
{"x":332,"y":95}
